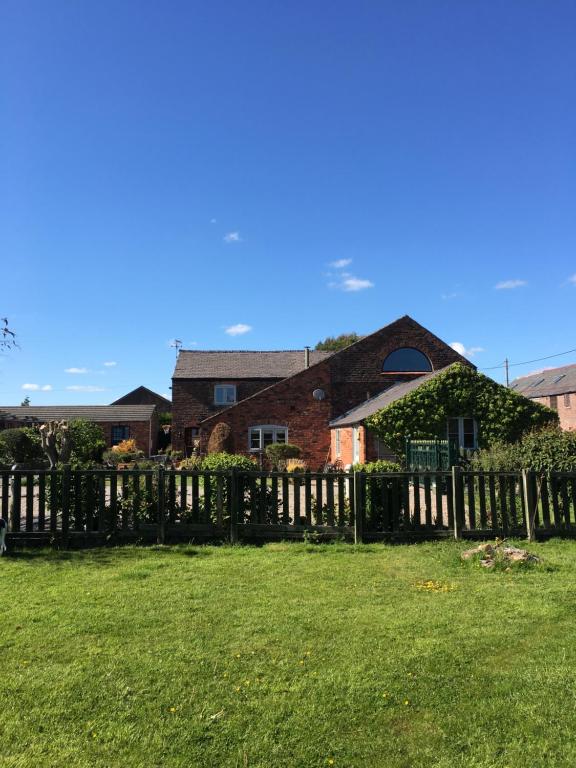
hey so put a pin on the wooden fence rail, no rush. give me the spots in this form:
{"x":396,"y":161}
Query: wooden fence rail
{"x":76,"y":508}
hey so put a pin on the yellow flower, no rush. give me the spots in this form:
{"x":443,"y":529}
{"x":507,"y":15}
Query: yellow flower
{"x":406,"y":702}
{"x":172,"y":709}
{"x":330,"y":761}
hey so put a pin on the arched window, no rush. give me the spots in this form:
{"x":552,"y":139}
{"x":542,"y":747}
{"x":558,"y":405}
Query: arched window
{"x":406,"y":360}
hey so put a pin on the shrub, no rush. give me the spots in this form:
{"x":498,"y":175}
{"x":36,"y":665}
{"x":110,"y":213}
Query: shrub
{"x":20,"y":446}
{"x":279,"y":453}
{"x":296,"y":465}
{"x":125,"y":446}
{"x":224,"y":461}
{"x":220,"y":439}
{"x":88,"y":444}
{"x":377,"y":467}
{"x":192,"y":463}
{"x":117,"y":457}
{"x":546,"y":450}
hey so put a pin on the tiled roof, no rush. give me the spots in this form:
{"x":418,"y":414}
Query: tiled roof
{"x":199,"y":364}
{"x":388,"y":396}
{"x":41,"y":413}
{"x":554,"y":381}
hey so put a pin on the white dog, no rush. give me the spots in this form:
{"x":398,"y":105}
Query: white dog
{"x":3,"y":527}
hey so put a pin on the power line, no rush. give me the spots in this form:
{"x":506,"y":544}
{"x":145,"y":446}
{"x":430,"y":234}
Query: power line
{"x":527,"y":362}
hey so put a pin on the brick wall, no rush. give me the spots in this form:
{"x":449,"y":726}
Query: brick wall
{"x":347,"y":379}
{"x":144,"y":432}
{"x":566,"y":408}
{"x":193,"y":401}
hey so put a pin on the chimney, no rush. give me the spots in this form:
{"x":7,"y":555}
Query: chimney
{"x":306,"y":357}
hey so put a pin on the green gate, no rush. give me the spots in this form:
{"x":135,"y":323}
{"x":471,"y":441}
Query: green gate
{"x":431,"y":455}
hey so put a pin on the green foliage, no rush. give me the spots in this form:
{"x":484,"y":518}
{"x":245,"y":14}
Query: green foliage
{"x":225,"y":461}
{"x":377,"y":467}
{"x":20,"y":446}
{"x":220,"y":439}
{"x":546,"y":450}
{"x":335,"y":343}
{"x":191,"y":463}
{"x":164,"y":418}
{"x":88,"y":444}
{"x":26,"y":401}
{"x":501,"y":414}
{"x":279,"y":453}
{"x":122,"y":457}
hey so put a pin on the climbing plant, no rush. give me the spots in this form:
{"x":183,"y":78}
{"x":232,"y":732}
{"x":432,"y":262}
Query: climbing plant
{"x":501,"y":414}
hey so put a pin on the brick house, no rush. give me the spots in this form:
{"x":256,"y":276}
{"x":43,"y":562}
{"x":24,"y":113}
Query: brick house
{"x":118,"y":422}
{"x":299,"y":406}
{"x":554,"y":387}
{"x":145,"y":396}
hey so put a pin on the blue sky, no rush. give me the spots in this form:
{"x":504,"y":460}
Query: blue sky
{"x":196,"y":170}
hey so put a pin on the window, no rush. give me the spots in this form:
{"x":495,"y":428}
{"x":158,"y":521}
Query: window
{"x":224,"y":394}
{"x":464,"y":430}
{"x":120,"y":432}
{"x":406,"y":359}
{"x":558,"y":378}
{"x":537,"y":383}
{"x":567,"y":401}
{"x":191,"y":434}
{"x":338,"y":446}
{"x":261,"y":436}
{"x":554,"y":402}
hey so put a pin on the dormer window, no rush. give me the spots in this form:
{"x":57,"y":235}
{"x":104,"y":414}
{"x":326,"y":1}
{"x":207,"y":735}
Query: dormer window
{"x":406,"y":360}
{"x":224,"y":394}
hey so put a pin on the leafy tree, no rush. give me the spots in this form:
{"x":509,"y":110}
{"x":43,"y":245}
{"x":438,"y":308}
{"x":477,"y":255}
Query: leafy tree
{"x":26,"y":401}
{"x":502,"y":415}
{"x":335,"y":343}
{"x":88,"y":443}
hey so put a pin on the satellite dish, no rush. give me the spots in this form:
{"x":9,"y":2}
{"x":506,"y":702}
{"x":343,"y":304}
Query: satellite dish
{"x":318,"y":394}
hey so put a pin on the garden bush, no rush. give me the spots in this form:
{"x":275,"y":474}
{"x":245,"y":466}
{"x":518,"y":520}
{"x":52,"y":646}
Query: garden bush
{"x":545,"y":450}
{"x":377,"y":467}
{"x":279,"y":453}
{"x":220,"y":440}
{"x":21,"y":446}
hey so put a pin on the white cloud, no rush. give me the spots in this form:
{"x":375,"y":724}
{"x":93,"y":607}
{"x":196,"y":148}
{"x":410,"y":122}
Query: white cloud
{"x":232,"y":237}
{"x":76,"y":370}
{"x":37,"y":387}
{"x":340,"y":263}
{"x":351,"y":283}
{"x":457,"y":346}
{"x":85,"y":388}
{"x":110,"y":364}
{"x":238,"y":329}
{"x":507,"y":285}
{"x":449,"y":296}
{"x":572,"y":279}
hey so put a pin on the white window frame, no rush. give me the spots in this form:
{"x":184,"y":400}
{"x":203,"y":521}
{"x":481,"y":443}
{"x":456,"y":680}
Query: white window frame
{"x":461,"y":431}
{"x":224,"y":400}
{"x":338,"y":444}
{"x":260,"y":429}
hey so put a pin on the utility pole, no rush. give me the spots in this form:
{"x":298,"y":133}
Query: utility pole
{"x":506,"y":366}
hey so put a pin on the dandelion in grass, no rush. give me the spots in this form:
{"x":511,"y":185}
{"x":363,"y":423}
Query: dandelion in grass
{"x":406,"y":702}
{"x":435,"y":586}
{"x":172,"y":709}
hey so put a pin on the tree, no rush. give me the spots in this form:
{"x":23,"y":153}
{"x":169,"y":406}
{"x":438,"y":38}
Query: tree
{"x":335,"y":343}
{"x":26,"y":401}
{"x":20,"y":446}
{"x":7,"y":336}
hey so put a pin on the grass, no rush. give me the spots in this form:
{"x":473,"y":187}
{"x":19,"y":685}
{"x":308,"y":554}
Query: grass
{"x":288,"y":655}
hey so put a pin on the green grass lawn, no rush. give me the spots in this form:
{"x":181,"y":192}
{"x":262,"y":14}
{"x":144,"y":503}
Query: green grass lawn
{"x":288,"y":655}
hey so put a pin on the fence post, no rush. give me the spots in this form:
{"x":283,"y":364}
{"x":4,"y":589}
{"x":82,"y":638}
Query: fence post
{"x":65,"y":504}
{"x":528,"y":487}
{"x":458,"y":500}
{"x":161,"y":506}
{"x":359,"y":511}
{"x":234,"y":503}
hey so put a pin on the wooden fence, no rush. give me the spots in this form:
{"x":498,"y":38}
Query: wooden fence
{"x":80,"y":508}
